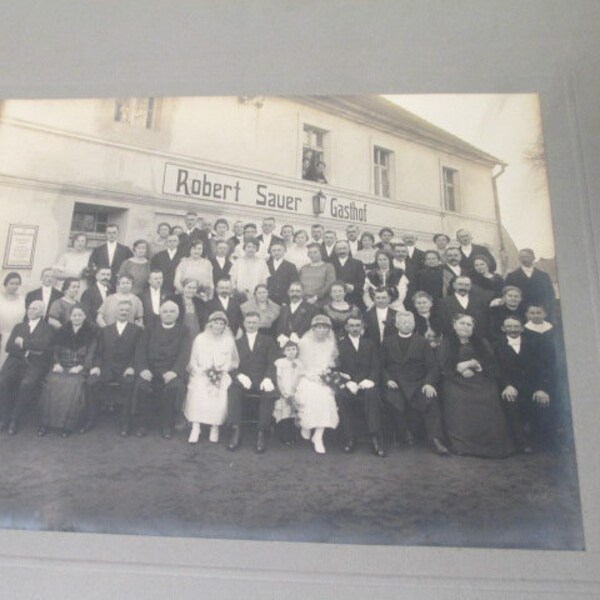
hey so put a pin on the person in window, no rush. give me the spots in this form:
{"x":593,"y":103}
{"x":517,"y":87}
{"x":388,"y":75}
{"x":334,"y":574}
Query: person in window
{"x":316,"y":276}
{"x":137,"y":267}
{"x":160,"y":242}
{"x":320,"y":172}
{"x":111,"y":254}
{"x":264,"y":307}
{"x":62,"y":401}
{"x":367,"y":251}
{"x":198,"y":268}
{"x":74,"y":262}
{"x":60,"y":310}
{"x":308,"y":165}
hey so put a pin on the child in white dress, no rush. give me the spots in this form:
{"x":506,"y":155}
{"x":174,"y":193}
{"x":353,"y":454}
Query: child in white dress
{"x":288,"y":373}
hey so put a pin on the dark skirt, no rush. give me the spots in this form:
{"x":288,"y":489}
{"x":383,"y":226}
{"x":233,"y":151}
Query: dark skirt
{"x":475,"y":421}
{"x":62,"y":401}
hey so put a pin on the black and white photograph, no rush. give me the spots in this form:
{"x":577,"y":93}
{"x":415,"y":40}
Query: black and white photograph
{"x":330,"y":319}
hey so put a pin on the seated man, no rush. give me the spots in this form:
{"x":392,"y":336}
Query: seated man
{"x":161,"y":358}
{"x":410,"y":373}
{"x":113,"y":363}
{"x":29,"y":358}
{"x":359,"y":360}
{"x":255,"y":375}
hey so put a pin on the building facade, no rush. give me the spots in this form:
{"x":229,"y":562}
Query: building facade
{"x":75,"y":165}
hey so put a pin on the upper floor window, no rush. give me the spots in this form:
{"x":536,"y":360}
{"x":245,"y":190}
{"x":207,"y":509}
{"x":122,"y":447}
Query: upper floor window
{"x":89,"y":219}
{"x":451,"y":189}
{"x":382,"y":172}
{"x":136,"y":112}
{"x":314,"y":164}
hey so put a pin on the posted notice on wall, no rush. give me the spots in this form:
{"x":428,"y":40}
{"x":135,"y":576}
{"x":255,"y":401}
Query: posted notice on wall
{"x":20,"y":246}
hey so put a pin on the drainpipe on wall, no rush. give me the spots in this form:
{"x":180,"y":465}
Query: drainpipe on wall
{"x":503,"y":257}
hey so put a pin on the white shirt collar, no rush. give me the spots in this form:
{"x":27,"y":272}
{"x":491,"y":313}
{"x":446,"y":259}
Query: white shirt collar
{"x":514,"y":343}
{"x":168,"y":326}
{"x":541,"y":328}
{"x":121,"y":326}
{"x":466,"y":250}
{"x":404,"y":335}
{"x":33,"y":323}
{"x":277,"y":262}
{"x":527,"y":270}
{"x":251,"y":339}
{"x":462,"y":300}
{"x":455,"y":269}
{"x":221,"y":260}
{"x":411,"y":250}
{"x":355,"y":340}
{"x":171,"y":252}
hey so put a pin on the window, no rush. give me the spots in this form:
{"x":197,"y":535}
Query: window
{"x":451,"y":188}
{"x":136,"y":112}
{"x":314,"y":165}
{"x":89,"y":219}
{"x":382,"y":172}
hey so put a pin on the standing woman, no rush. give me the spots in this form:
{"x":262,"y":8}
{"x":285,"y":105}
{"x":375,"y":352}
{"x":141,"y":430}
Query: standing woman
{"x":12,"y":309}
{"x":214,"y":356}
{"x":475,"y":421}
{"x":317,"y":276}
{"x":367,"y":253}
{"x":384,"y":275}
{"x":315,"y":400}
{"x":74,"y":262}
{"x":441,"y":241}
{"x":249,"y":270}
{"x":430,"y":278}
{"x":287,"y":235}
{"x":264,"y":306}
{"x":192,"y":311}
{"x":489,"y":283}
{"x":338,"y":309}
{"x":60,"y":310}
{"x":221,"y":234}
{"x":428,"y":321}
{"x":160,"y":242}
{"x":62,"y":401}
{"x":297,"y":254}
{"x":137,"y":267}
{"x":198,"y":268}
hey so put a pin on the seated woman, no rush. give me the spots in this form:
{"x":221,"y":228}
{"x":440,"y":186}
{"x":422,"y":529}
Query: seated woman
{"x":264,"y":306}
{"x":214,"y":355}
{"x":430,"y":278}
{"x":316,"y":276}
{"x":384,"y":275}
{"x":62,"y":401}
{"x":315,"y":400}
{"x":198,"y":268}
{"x":489,"y":283}
{"x":337,"y":309}
{"x":192,"y":310}
{"x":60,"y":310}
{"x":476,"y":424}
{"x":367,"y":252}
{"x":428,"y":321}
{"x":510,"y":305}
{"x":137,"y":267}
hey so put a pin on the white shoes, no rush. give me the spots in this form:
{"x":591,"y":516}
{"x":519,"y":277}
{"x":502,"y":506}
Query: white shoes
{"x":214,"y":434}
{"x":194,"y":434}
{"x":305,"y":433}
{"x":319,"y":446}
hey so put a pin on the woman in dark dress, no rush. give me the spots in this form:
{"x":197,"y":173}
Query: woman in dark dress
{"x":384,"y":275}
{"x":430,"y":278}
{"x":428,"y":321}
{"x":338,"y":309}
{"x":192,"y":309}
{"x":510,"y":305}
{"x":489,"y":283}
{"x":63,"y":396}
{"x":475,"y":421}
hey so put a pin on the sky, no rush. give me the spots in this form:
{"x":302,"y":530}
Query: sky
{"x":506,"y":126}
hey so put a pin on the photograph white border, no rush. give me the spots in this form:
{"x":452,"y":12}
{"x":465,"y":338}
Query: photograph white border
{"x":492,"y":47}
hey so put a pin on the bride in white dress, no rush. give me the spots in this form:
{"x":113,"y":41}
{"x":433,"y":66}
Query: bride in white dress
{"x":315,"y":401}
{"x":214,"y":355}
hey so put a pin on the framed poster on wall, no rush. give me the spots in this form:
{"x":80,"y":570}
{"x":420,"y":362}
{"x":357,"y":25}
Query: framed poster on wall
{"x":20,"y":246}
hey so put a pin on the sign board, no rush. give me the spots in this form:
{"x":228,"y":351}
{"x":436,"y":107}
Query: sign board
{"x":20,"y":246}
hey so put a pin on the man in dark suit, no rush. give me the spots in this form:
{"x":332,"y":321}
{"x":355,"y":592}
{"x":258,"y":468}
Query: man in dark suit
{"x":161,"y":359}
{"x":28,"y":360}
{"x":451,"y":270}
{"x":111,"y":254}
{"x":267,"y":238}
{"x":193,"y":231}
{"x":282,"y":273}
{"x":113,"y":363}
{"x":352,"y":239}
{"x":255,"y":375}
{"x":166,"y":261}
{"x":380,"y":319}
{"x":295,"y":316}
{"x":351,"y":271}
{"x":359,"y":359}
{"x":535,"y":285}
{"x":469,"y":251}
{"x":464,"y":301}
{"x":95,"y":295}
{"x":415,"y":257}
{"x":221,"y":265}
{"x":153,"y":296}
{"x":328,"y":246}
{"x":410,"y":373}
{"x":524,"y":381}
{"x":223,"y":301}
{"x":47,"y":293}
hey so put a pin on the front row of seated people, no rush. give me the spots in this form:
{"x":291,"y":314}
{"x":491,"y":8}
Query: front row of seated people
{"x":206,"y":361}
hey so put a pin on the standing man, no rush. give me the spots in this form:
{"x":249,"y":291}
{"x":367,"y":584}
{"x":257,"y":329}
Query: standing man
{"x":352,"y":238}
{"x":328,"y":246}
{"x":255,"y":375}
{"x":166,"y":262}
{"x":221,"y":265}
{"x":380,"y":319}
{"x":161,"y":359}
{"x":193,"y":232}
{"x":351,"y":272}
{"x":416,"y":257}
{"x":282,"y":273}
{"x":295,"y":316}
{"x":464,"y":301}
{"x":113,"y":363}
{"x":224,"y":302}
{"x":95,"y":295}
{"x":359,"y":360}
{"x":451,"y":270}
{"x":316,"y":232}
{"x":47,"y":293}
{"x":266,"y":238}
{"x":535,"y":285}
{"x":28,"y":360}
{"x":410,"y":373}
{"x":469,"y":251}
{"x":111,"y":254}
{"x":152,"y":297}
{"x":403,"y":265}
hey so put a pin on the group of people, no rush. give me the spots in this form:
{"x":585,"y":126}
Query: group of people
{"x":203,"y":327}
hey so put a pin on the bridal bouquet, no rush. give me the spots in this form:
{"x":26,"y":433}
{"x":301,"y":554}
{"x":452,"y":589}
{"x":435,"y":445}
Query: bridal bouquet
{"x":334,"y":378}
{"x":214,"y":376}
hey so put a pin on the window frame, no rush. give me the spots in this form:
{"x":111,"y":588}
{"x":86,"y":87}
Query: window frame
{"x":377,"y":168}
{"x":455,"y":186}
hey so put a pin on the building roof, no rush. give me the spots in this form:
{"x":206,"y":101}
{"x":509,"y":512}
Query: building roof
{"x":382,"y":114}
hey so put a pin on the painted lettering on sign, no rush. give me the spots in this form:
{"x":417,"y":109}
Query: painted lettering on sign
{"x":205,"y":187}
